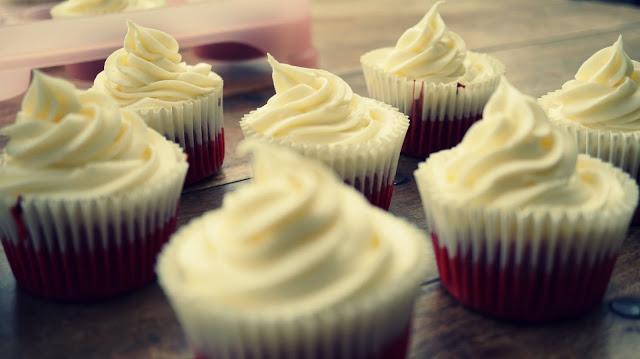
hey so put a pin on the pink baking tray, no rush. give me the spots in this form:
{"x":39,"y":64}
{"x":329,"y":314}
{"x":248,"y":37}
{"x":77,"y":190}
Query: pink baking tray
{"x":221,"y":29}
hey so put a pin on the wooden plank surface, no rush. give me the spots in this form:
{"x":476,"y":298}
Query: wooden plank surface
{"x":541,"y":42}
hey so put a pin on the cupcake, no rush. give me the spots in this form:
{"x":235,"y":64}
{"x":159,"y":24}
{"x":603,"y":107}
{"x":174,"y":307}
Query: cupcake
{"x":294,"y":264}
{"x":181,"y":102}
{"x":523,"y":227}
{"x":77,"y":8}
{"x":430,"y":76}
{"x":316,"y":113}
{"x":88,"y":194}
{"x":601,"y":108}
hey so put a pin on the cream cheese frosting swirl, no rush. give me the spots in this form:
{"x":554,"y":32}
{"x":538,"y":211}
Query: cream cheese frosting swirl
{"x":295,"y":239}
{"x":71,"y":8}
{"x":71,"y":143}
{"x":428,"y":51}
{"x":605,"y":93}
{"x":515,"y":158}
{"x":149,"y":70}
{"x":317,"y":107}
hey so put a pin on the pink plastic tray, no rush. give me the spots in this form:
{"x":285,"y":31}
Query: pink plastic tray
{"x":221,"y":29}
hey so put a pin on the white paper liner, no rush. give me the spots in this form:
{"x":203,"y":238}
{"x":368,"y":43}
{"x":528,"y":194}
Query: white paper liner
{"x":188,"y":123}
{"x":441,"y":101}
{"x":620,"y":148}
{"x":349,"y":330}
{"x":143,"y":210}
{"x":376,"y":158}
{"x":461,"y":228}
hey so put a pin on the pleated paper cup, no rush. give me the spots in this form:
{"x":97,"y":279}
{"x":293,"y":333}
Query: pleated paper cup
{"x":197,"y":126}
{"x":532,"y":264}
{"x":370,"y":167}
{"x":439,"y":113}
{"x":376,"y":326}
{"x":89,"y":248}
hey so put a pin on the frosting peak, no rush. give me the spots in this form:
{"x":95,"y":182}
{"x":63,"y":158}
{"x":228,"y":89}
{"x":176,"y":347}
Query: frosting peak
{"x":317,"y":107}
{"x":149,"y":70}
{"x":428,"y":51}
{"x":49,"y":99}
{"x":605,"y":93}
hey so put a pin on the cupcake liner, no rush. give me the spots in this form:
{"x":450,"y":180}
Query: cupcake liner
{"x":370,"y":167}
{"x":197,"y":126}
{"x":89,"y":248}
{"x":376,"y":326}
{"x":622,"y":149}
{"x":534,"y":258}
{"x":432,"y":106}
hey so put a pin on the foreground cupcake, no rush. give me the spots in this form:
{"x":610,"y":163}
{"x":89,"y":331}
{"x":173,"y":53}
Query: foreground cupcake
{"x":76,"y":8}
{"x":601,"y":108}
{"x":431,"y":77}
{"x":316,"y":113}
{"x":88,"y":194}
{"x":182,"y":102}
{"x":523,"y":227}
{"x":294,"y":264}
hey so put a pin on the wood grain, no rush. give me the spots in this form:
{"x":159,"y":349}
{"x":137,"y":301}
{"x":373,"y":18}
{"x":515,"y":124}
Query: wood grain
{"x":541,"y":42}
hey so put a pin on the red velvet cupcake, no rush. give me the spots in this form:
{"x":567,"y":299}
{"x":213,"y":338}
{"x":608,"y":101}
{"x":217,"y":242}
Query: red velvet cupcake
{"x":294,"y":264}
{"x":88,"y":194}
{"x":180,"y":101}
{"x":431,"y":77}
{"x":523,"y":227}
{"x":316,"y":113}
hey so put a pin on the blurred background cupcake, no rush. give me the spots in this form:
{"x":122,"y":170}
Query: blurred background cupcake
{"x":523,"y":227}
{"x":75,"y":8}
{"x":600,"y":107}
{"x":430,"y":76}
{"x":88,"y":194}
{"x":180,"y":101}
{"x":316,"y":113}
{"x":294,"y":264}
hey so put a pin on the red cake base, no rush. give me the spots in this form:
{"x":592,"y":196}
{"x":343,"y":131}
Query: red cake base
{"x":518,"y":292}
{"x":205,"y":160}
{"x":80,"y":274}
{"x":426,"y":136}
{"x":378,"y":197}
{"x":398,"y":349}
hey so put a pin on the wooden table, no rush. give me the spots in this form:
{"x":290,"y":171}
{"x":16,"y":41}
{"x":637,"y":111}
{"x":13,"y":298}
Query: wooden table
{"x":542,"y":44}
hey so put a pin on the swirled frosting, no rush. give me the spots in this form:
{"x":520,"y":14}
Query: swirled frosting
{"x":149,"y":71}
{"x":72,"y":8}
{"x":605,"y":93}
{"x":67,"y":142}
{"x":294,"y":239}
{"x":317,"y":107}
{"x":515,"y":158}
{"x":428,"y":51}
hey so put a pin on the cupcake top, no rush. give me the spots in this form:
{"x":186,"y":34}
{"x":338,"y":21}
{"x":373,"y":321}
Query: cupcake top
{"x":148,"y":71}
{"x":430,"y":52}
{"x":295,"y":240}
{"x":515,"y":159}
{"x":69,"y":143}
{"x":73,"y":8}
{"x":317,"y":107}
{"x":605,"y":93}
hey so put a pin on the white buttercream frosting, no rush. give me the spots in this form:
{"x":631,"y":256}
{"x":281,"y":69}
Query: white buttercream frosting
{"x":149,"y":71}
{"x":74,"y":8}
{"x":605,"y":93}
{"x":72,"y":143}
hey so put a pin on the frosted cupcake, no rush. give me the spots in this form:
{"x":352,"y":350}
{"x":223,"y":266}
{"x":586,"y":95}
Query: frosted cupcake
{"x":316,"y":113}
{"x":76,"y":8}
{"x":294,"y":264}
{"x":182,"y":102}
{"x":523,"y":227}
{"x":88,"y":194}
{"x":601,"y":108}
{"x":430,"y":76}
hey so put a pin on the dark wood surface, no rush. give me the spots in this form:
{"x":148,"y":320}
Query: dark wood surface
{"x":541,"y":42}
